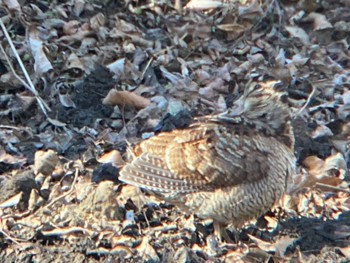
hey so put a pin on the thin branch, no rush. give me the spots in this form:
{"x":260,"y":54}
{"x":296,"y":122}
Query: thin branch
{"x":68,"y":192}
{"x":331,"y":188}
{"x":10,"y":127}
{"x":8,"y":236}
{"x":147,"y":66}
{"x":29,"y":85}
{"x":307,"y":101}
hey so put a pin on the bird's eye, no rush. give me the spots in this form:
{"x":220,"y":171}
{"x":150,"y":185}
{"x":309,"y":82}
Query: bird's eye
{"x":257,"y":87}
{"x":284,"y":98}
{"x":252,"y":89}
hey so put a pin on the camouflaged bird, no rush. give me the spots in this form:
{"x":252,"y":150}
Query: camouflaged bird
{"x":231,"y":167}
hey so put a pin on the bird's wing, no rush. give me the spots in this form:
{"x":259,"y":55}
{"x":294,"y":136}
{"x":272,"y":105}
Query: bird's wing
{"x":203,"y":157}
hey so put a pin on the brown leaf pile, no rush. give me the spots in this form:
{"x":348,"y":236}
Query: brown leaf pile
{"x":115,"y":72}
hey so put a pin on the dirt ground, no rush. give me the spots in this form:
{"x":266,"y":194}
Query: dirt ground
{"x":115,"y":72}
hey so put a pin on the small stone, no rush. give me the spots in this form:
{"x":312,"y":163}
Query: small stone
{"x":117,"y":124}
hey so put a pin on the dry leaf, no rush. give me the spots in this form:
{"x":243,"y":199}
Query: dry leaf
{"x":14,"y":200}
{"x":117,"y":67}
{"x":71,"y":27}
{"x":307,"y":5}
{"x":56,"y":123}
{"x":123,"y":252}
{"x":345,"y":251}
{"x":252,"y":11}
{"x":221,"y":104}
{"x":238,"y":29}
{"x":114,"y":157}
{"x":266,"y":246}
{"x":41,"y":62}
{"x":202,"y":75}
{"x":282,"y":244}
{"x":10,"y":159}
{"x":133,"y":193}
{"x":320,"y":171}
{"x":271,"y":222}
{"x":97,"y":21}
{"x":148,"y":251}
{"x":66,"y":100}
{"x":125,"y":98}
{"x":207,"y":92}
{"x":320,"y":21}
{"x":298,"y":32}
{"x":34,"y":200}
{"x":204,"y":4}
{"x":75,"y":32}
{"x":64,"y":94}
{"x":346,"y":97}
{"x":73,"y":62}
{"x":66,"y":231}
{"x":321,"y":131}
{"x":13,"y":5}
{"x":25,"y":100}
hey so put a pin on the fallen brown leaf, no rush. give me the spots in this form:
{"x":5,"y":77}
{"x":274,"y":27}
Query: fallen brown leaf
{"x":125,"y":98}
{"x":114,"y":157}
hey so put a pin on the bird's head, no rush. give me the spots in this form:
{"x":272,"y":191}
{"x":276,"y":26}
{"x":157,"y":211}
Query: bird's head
{"x":262,"y":106}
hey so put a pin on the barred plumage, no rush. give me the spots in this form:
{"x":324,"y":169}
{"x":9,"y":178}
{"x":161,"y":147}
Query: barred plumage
{"x":230,"y":167}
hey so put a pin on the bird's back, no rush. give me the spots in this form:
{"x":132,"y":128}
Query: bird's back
{"x":229,"y":169}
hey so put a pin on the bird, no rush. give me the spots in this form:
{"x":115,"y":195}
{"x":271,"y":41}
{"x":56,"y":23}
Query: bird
{"x":230,"y":167}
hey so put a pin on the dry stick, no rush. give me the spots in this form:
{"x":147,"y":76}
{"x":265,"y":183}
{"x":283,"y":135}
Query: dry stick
{"x":44,"y":107}
{"x":147,"y":66}
{"x":68,"y":192}
{"x":8,"y":236}
{"x":49,"y":204}
{"x":10,"y":127}
{"x":40,"y":101}
{"x":307,"y":101}
{"x":332,"y":188}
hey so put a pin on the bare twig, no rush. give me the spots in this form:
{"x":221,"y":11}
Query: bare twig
{"x":307,"y":101}
{"x":29,"y":84}
{"x":147,"y":66}
{"x":68,"y":192}
{"x":331,"y":188}
{"x":8,"y":236}
{"x":10,"y":127}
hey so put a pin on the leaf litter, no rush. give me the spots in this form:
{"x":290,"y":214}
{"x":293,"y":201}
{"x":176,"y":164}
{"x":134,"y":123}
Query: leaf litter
{"x":116,"y":72}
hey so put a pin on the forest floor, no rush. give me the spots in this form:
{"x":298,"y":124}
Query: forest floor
{"x":107,"y":74}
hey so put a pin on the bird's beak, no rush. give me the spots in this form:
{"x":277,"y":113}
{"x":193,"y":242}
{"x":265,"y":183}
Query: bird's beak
{"x":232,"y":115}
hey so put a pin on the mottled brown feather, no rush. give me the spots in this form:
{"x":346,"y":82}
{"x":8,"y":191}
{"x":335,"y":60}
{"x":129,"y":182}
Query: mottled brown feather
{"x":232,"y":166}
{"x":199,"y":163}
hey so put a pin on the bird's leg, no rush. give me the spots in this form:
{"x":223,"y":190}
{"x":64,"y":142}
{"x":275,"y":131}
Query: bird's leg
{"x":221,"y":233}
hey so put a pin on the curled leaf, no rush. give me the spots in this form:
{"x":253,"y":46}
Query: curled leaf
{"x":125,"y":98}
